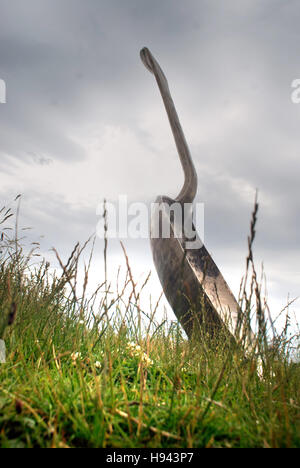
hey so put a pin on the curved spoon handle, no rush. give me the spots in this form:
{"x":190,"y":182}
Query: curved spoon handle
{"x":189,"y":189}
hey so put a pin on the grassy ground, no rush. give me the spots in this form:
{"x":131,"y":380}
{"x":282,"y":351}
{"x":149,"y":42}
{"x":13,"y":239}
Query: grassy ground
{"x":100,"y":372}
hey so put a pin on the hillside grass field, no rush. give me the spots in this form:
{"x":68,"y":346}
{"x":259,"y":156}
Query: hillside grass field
{"x":98,"y":371}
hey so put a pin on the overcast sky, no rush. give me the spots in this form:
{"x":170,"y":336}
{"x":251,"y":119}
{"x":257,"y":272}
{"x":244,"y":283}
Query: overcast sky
{"x":84,"y":121}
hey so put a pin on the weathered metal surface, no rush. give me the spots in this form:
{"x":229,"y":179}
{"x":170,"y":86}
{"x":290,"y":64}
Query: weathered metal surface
{"x":191,"y":281}
{"x":193,"y":284}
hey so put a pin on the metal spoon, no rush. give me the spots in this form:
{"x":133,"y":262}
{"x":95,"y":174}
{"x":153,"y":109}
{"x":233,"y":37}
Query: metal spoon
{"x":191,"y":281}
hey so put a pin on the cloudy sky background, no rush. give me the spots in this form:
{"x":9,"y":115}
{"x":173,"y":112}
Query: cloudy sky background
{"x":84,"y":121}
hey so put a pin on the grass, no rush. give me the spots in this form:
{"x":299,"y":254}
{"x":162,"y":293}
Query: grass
{"x":98,"y":371}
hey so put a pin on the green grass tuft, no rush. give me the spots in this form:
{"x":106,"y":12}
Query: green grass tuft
{"x":79,"y":374}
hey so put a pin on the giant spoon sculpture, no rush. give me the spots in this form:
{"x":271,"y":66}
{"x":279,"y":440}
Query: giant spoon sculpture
{"x":191,"y":281}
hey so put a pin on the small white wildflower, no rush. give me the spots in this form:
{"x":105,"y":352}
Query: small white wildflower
{"x":81,"y":322}
{"x":97,"y":364}
{"x":135,"y":350}
{"x":75,"y":356}
{"x":133,"y":346}
{"x":146,"y":360}
{"x":162,"y":403}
